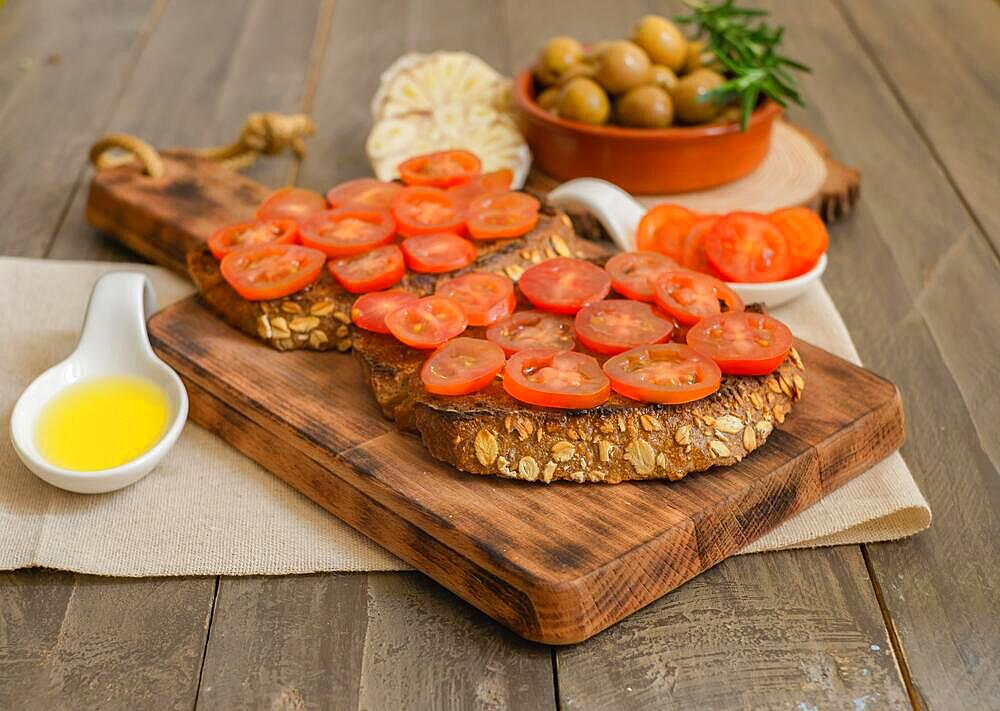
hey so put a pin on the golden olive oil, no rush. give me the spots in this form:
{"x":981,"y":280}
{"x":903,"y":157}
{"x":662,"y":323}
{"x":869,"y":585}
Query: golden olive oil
{"x":100,"y":423}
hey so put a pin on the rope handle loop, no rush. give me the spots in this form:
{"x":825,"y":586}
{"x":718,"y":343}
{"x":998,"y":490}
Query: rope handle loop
{"x":149,"y":158}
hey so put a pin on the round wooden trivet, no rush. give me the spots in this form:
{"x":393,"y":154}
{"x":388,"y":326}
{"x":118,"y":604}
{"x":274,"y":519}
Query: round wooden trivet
{"x":798,"y":170}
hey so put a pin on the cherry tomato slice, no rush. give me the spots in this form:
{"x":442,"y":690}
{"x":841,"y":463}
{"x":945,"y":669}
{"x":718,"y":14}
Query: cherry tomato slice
{"x":662,"y":229}
{"x":246,"y":234}
{"x":746,"y":247}
{"x":363,"y":193}
{"x":292,"y":204}
{"x":374,"y":270}
{"x":690,"y":296}
{"x":614,"y":326}
{"x":693,"y":250}
{"x":441,"y":252}
{"x":440,"y":170}
{"x":270,"y":270}
{"x":502,"y":216}
{"x":428,"y":322}
{"x":533,"y":330}
{"x":461,"y":366}
{"x":347,"y":230}
{"x":369,"y":310}
{"x":561,"y":379}
{"x":806,"y":235}
{"x":564,"y":285}
{"x":494,"y":183}
{"x":742,"y":343}
{"x":485,"y":297}
{"x":668,"y":373}
{"x":633,"y":273}
{"x":424,"y":211}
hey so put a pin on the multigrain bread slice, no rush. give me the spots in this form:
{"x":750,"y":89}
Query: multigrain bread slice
{"x":491,"y":433}
{"x":318,"y":317}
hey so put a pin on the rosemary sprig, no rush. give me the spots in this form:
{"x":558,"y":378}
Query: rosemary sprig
{"x":747,"y":47}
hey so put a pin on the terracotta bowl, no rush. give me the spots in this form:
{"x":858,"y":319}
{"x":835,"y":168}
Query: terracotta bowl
{"x":643,"y":161}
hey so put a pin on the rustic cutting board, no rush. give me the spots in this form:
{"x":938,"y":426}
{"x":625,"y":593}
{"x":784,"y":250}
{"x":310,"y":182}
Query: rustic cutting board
{"x":556,"y":563}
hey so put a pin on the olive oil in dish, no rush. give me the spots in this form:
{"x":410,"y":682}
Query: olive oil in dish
{"x":101,"y":423}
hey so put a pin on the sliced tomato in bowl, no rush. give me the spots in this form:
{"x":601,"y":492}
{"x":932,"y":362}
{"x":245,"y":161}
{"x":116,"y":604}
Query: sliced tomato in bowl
{"x":485,"y":297}
{"x":502,"y":216}
{"x":742,"y":343}
{"x":747,"y":247}
{"x":633,"y":273}
{"x":271,"y":270}
{"x":617,"y":325}
{"x":427,"y":322}
{"x":806,"y":234}
{"x":461,"y":366}
{"x":441,"y":169}
{"x":662,"y":229}
{"x":693,"y":250}
{"x":364,"y":193}
{"x":369,"y":310}
{"x":668,"y":373}
{"x":562,"y":379}
{"x":690,"y":296}
{"x":246,"y":234}
{"x":291,"y":203}
{"x":564,"y":285}
{"x":438,"y":253}
{"x":496,"y":182}
{"x":347,"y":230}
{"x":424,"y":211}
{"x":533,"y":330}
{"x":374,"y":270}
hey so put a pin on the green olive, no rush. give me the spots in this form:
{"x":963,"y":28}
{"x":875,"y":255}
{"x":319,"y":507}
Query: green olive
{"x":645,"y":107}
{"x":559,"y":54}
{"x":580,"y":69}
{"x":621,"y":66}
{"x":548,"y":98}
{"x":698,"y":56}
{"x":592,"y":52}
{"x":582,"y":99}
{"x":730,"y":114}
{"x":662,"y":41}
{"x":662,"y":77}
{"x":690,"y":102}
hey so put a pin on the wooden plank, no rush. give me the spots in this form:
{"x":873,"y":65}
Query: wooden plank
{"x":88,"y":642}
{"x":910,"y":273}
{"x":206,"y":68}
{"x":942,"y":61}
{"x":350,"y":641}
{"x":61,"y":70}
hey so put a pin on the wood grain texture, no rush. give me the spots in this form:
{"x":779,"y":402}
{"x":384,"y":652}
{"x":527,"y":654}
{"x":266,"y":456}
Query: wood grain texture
{"x":548,"y":582}
{"x":379,"y":641}
{"x":80,"y":641}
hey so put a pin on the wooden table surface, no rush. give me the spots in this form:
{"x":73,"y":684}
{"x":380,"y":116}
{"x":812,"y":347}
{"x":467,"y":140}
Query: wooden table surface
{"x":908,"y":92}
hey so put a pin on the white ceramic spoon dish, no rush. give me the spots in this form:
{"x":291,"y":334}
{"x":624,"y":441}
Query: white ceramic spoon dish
{"x":113,"y":342}
{"x":619,"y":213}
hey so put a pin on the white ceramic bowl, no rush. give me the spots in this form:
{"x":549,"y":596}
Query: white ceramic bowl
{"x":620,"y":214}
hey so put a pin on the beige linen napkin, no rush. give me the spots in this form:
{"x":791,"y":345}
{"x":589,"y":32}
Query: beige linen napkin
{"x":250,"y":522}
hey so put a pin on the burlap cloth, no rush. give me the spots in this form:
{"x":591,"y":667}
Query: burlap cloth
{"x":248,"y":521}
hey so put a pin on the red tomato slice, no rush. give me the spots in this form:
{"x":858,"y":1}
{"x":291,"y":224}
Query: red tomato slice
{"x":364,"y":193}
{"x":441,"y":252}
{"x":669,"y":373}
{"x":533,"y":330}
{"x":270,"y":270}
{"x":428,"y":322}
{"x":693,"y":250}
{"x":564,"y":285}
{"x":619,"y":324}
{"x":690,"y":296}
{"x":291,"y":204}
{"x":659,"y":229}
{"x":374,"y":270}
{"x":746,"y":247}
{"x":806,"y":235}
{"x":440,"y":170}
{"x":462,"y":366}
{"x":424,"y":211}
{"x":246,"y":234}
{"x":502,"y":216}
{"x":562,"y":379}
{"x":742,"y":343}
{"x":633,"y":273}
{"x":347,"y":230}
{"x":494,"y":183}
{"x":369,"y":310}
{"x":485,"y":297}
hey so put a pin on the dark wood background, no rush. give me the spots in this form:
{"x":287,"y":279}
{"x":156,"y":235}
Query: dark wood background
{"x":908,"y":92}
